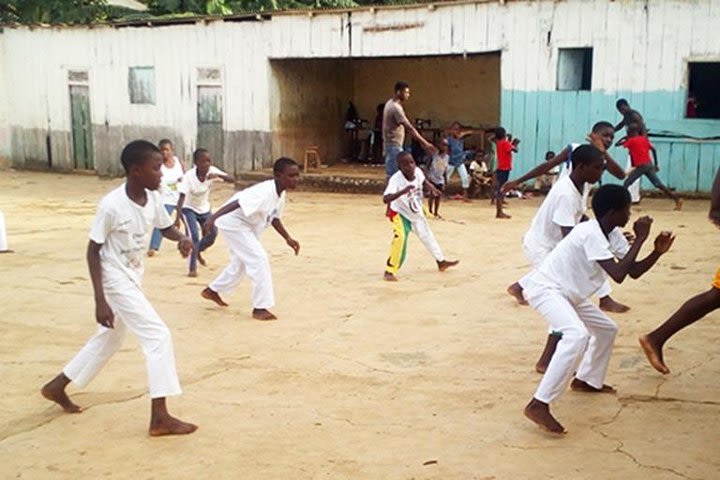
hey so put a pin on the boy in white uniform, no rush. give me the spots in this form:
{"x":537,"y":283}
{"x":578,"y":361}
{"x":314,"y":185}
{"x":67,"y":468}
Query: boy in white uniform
{"x":194,"y":204}
{"x":601,"y":137}
{"x":560,"y":291}
{"x":118,"y":241}
{"x":172,"y":173}
{"x":242,"y":219}
{"x":403,"y":195}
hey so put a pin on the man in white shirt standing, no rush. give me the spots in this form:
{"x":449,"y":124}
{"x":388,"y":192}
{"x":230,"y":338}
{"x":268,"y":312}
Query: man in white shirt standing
{"x":560,"y":291}
{"x":242,"y":219}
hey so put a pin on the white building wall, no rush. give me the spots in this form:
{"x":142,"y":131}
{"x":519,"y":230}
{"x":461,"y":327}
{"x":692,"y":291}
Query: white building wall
{"x":639,"y":49}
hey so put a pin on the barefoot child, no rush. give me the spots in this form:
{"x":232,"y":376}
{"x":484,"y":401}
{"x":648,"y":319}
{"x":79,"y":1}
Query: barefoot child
{"x":403,"y":195}
{"x":601,"y":137}
{"x":692,"y":310}
{"x":504,"y":151}
{"x":242,"y":219}
{"x":172,"y":173}
{"x":640,"y":147}
{"x":562,"y":209}
{"x":437,"y":175}
{"x":118,"y":240}
{"x":560,"y":291}
{"x":194,"y":203}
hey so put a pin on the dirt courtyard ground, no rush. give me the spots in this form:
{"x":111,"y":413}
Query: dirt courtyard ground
{"x":359,"y":379}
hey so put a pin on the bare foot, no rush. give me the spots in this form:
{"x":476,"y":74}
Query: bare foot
{"x":678,"y":204}
{"x":263,"y":314}
{"x":654,"y":354}
{"x":210,"y":294}
{"x":389,"y":277}
{"x":150,"y":252}
{"x":445,"y":264}
{"x":170,"y":426}
{"x":192,"y":274}
{"x":201,"y":260}
{"x":503,"y":216}
{"x":517,"y":291}
{"x":54,"y":391}
{"x":539,"y":412}
{"x":610,"y":305}
{"x":547,"y":354}
{"x":579,"y":386}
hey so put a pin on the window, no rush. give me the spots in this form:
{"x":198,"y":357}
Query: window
{"x":141,"y":85}
{"x":574,"y":69}
{"x":703,"y":100}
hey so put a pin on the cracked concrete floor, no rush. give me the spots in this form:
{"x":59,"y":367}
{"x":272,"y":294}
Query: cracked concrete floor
{"x":361,"y":379}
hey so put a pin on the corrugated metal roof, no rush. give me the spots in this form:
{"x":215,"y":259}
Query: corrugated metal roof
{"x":257,"y":15}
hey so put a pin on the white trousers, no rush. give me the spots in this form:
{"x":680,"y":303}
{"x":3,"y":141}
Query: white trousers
{"x":132,"y":312}
{"x":634,"y":189}
{"x":247,"y":257}
{"x":423,"y":232}
{"x":588,"y":336}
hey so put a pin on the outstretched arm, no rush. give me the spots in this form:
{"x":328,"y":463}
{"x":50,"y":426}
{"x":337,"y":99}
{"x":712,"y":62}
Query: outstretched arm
{"x":541,"y":169}
{"x":610,"y":164}
{"x":103,"y":313}
{"x":427,"y":146}
{"x":280,"y":228}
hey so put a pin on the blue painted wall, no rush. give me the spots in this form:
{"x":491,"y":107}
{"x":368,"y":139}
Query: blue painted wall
{"x":549,"y":120}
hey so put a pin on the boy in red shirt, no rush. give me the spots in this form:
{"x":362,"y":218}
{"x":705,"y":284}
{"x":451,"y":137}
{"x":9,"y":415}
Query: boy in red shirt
{"x":640,"y":147}
{"x":503,"y":150}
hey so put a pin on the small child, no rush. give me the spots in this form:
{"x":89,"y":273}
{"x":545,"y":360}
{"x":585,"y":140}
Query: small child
{"x":456,"y":146}
{"x":560,"y":291}
{"x":692,"y":310}
{"x":437,"y":175}
{"x":403,"y":195}
{"x":118,"y":240}
{"x":480,"y":176}
{"x":640,"y":147}
{"x":504,"y":151}
{"x":242,"y":219}
{"x":172,"y":173}
{"x":194,"y":203}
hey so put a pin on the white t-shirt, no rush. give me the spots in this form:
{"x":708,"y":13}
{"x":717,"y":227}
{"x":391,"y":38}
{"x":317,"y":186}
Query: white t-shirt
{"x":170,"y":178}
{"x":438,"y":167}
{"x":259,"y":206}
{"x":563,"y":207}
{"x":409,"y":205}
{"x":123,"y":228}
{"x":197,"y":193}
{"x":573,"y":267}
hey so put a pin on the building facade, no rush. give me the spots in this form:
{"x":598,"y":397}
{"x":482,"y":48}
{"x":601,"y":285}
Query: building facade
{"x":252,"y":88}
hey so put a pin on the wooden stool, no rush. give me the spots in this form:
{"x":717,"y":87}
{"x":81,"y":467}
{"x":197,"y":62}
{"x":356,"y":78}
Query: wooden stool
{"x":312,"y":155}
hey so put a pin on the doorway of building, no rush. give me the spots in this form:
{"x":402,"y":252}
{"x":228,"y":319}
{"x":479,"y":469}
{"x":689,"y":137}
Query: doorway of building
{"x":82,"y":140}
{"x":210,"y":112}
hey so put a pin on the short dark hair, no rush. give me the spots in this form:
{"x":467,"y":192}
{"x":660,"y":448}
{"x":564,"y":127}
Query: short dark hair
{"x":602,"y":124}
{"x":499,"y":133}
{"x":136,"y":152}
{"x":608,"y":198}
{"x":198,"y":152}
{"x":621,"y":102}
{"x":165,"y":141}
{"x":549,"y":153}
{"x":400,"y":85}
{"x":585,"y":155}
{"x":282,"y":163}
